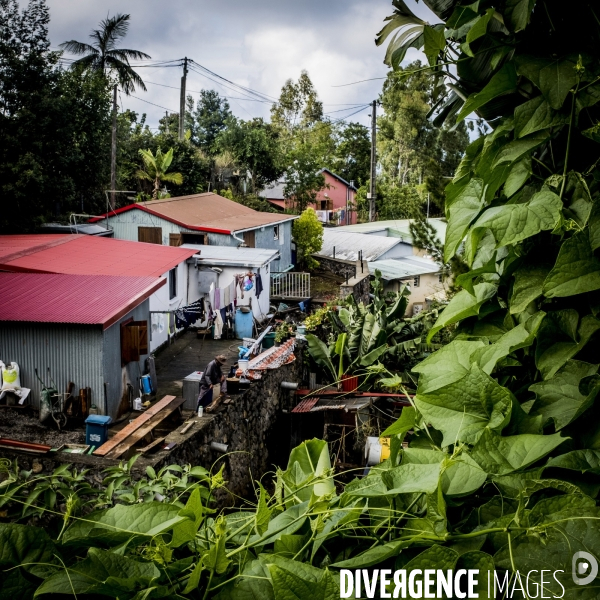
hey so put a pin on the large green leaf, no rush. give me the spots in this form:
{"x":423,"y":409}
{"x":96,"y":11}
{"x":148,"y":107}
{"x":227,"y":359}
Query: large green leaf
{"x":405,"y":423}
{"x":445,"y":366}
{"x":481,"y":562}
{"x":556,"y":79}
{"x":461,"y":213}
{"x":462,"y":476}
{"x":528,"y":286}
{"x":254,"y":584}
{"x":575,"y":530}
{"x":122,"y":523}
{"x":288,"y":584}
{"x":513,"y":223}
{"x":435,"y":42}
{"x":576,"y":271}
{"x":521,"y":336}
{"x":561,"y":337}
{"x":320,"y":353}
{"x":463,"y":409}
{"x":28,"y":547}
{"x":103,"y":573}
{"x":536,"y":115}
{"x":517,"y":13}
{"x":185,"y":531}
{"x":503,"y":82}
{"x":518,"y":175}
{"x":500,"y":455}
{"x":374,"y":556}
{"x":518,"y":148}
{"x":311,"y":458}
{"x":462,"y":306}
{"x":559,"y":398}
{"x":583,"y":461}
{"x":285,"y":523}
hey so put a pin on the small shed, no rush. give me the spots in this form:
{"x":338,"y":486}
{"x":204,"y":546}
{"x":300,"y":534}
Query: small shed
{"x":91,"y":330}
{"x":422,"y":275}
{"x":220,"y":266}
{"x":90,"y":255}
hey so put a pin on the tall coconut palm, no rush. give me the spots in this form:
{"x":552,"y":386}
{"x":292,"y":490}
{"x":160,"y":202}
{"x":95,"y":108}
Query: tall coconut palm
{"x":156,"y":167}
{"x":103,"y":54}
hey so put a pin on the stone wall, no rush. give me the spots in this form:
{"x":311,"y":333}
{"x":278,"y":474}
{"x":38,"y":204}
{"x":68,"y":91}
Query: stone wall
{"x":249,"y":426}
{"x":337,"y":266}
{"x":359,"y":287}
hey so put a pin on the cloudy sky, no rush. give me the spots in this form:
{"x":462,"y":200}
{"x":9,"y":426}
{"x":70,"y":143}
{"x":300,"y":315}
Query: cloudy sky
{"x":256,"y":43}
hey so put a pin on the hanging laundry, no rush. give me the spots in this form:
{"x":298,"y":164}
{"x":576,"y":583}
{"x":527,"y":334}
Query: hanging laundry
{"x":248,"y":284}
{"x":218,"y":325}
{"x":226,"y":296}
{"x":259,"y":285}
{"x":211,"y":294}
{"x":188,"y":315}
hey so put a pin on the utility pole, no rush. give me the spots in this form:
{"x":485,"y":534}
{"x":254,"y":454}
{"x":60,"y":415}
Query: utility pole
{"x":372,"y":188}
{"x":182,"y":100}
{"x":113,"y":153}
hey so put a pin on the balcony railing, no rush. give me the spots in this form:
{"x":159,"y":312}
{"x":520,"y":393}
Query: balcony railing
{"x":290,"y":285}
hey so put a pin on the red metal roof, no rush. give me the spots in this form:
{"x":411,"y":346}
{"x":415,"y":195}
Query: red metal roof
{"x":305,"y":405}
{"x":84,"y":299}
{"x":87,"y":255}
{"x":205,"y":212}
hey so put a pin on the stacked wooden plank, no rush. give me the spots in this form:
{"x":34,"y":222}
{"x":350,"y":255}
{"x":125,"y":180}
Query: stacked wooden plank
{"x":138,"y":429}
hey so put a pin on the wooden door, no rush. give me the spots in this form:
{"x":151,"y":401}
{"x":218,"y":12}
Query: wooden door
{"x":250,"y":239}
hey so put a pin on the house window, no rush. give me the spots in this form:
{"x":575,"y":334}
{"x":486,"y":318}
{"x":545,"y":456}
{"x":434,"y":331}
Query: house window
{"x":417,"y":281}
{"x":150,"y":235}
{"x":173,"y":283}
{"x":276,"y":232}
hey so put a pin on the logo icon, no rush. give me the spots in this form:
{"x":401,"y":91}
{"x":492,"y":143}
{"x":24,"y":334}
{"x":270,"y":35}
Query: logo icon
{"x":584,"y":567}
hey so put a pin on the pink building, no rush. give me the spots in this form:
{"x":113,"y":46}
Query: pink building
{"x":335,"y":202}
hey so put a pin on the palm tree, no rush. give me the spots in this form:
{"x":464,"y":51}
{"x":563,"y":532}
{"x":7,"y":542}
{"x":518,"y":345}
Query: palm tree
{"x":156,"y":167}
{"x":103,"y":55}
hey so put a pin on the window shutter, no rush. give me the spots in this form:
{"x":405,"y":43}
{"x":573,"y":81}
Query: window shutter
{"x":150,"y":235}
{"x":175,"y":239}
{"x":250,"y":238}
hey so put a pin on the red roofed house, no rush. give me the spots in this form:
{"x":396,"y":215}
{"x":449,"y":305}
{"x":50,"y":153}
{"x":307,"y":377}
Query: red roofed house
{"x":91,"y":255}
{"x":91,"y":330}
{"x":335,"y":202}
{"x":205,"y":219}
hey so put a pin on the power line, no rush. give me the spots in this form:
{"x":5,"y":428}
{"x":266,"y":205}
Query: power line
{"x":158,"y":105}
{"x":361,"y":81}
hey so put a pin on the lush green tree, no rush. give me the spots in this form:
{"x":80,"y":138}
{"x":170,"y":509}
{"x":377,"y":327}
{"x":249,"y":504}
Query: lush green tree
{"x":104,"y":55}
{"x":134,"y":135}
{"x":54,"y":126}
{"x":412,"y":150}
{"x":208,"y":120}
{"x":255,"y":147}
{"x":303,"y":179}
{"x":352,"y":156}
{"x":156,"y":170}
{"x":298,"y":105}
{"x":308,"y":235}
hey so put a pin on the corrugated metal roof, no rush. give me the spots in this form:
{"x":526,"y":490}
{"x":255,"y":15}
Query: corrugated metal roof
{"x":305,"y":405}
{"x":87,"y":255}
{"x":348,"y":244}
{"x":83,"y":299}
{"x":85,"y":228}
{"x":232,"y":256}
{"x":405,"y":267}
{"x":399,"y":228}
{"x":205,"y":212}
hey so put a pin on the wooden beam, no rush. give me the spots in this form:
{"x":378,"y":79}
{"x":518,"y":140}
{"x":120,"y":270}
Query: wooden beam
{"x":142,"y":431}
{"x":130,"y":429}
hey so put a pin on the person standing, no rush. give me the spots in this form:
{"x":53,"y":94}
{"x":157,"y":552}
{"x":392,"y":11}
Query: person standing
{"x":213,"y":375}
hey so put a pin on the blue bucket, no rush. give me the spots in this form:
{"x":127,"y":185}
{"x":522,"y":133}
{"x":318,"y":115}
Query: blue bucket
{"x":243,"y":324}
{"x":146,"y":384}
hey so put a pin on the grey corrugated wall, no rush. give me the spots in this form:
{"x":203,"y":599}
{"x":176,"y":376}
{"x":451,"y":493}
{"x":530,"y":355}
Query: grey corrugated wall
{"x":73,"y":353}
{"x":116,"y":376}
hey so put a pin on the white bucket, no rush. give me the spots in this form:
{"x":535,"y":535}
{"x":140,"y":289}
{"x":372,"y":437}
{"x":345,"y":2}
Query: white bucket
{"x":243,"y":364}
{"x":137,"y":404}
{"x":216,"y":389}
